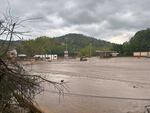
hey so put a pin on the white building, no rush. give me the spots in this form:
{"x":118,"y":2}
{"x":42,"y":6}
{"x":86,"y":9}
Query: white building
{"x":141,"y":54}
{"x":22,"y":56}
{"x":115,"y":54}
{"x":12,"y":53}
{"x":66,"y":54}
{"x":46,"y":57}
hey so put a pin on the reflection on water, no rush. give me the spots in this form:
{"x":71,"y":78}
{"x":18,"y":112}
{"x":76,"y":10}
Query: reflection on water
{"x":116,"y":85}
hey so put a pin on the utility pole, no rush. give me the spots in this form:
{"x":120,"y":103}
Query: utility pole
{"x":66,"y":51}
{"x":90,"y":49}
{"x":66,"y":44}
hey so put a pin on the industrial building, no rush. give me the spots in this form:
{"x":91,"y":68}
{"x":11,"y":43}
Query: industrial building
{"x":107,"y":54}
{"x":46,"y":57}
{"x":141,"y":54}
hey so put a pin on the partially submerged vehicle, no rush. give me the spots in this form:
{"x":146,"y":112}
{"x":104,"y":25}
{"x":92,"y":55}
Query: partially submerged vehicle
{"x":83,"y":59}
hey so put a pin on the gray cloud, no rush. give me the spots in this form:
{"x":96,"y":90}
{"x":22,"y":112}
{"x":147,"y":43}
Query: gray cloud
{"x":113,"y":20}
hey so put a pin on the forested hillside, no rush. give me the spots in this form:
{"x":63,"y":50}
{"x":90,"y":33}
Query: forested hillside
{"x":77,"y":44}
{"x":139,"y":42}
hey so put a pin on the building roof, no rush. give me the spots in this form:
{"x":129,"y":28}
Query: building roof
{"x":98,"y":51}
{"x":22,"y":55}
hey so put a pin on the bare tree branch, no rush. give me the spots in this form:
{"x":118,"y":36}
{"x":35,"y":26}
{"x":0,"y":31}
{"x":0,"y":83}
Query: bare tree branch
{"x":17,"y":87}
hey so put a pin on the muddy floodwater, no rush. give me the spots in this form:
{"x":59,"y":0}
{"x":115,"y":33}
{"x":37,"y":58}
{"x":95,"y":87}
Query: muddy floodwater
{"x":115,"y":85}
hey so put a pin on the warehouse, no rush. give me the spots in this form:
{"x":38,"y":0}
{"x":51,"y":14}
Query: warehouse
{"x":141,"y":54}
{"x":106,"y":54}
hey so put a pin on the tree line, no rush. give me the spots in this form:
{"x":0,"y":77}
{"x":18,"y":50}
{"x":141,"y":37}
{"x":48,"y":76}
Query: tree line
{"x":140,"y":42}
{"x":76,"y":44}
{"x":80,"y":45}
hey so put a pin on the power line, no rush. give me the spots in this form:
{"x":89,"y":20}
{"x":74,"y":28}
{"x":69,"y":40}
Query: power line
{"x":102,"y":78}
{"x":103,"y":97}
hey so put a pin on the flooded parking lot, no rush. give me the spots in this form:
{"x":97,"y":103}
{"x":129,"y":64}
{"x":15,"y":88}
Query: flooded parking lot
{"x":116,"y":85}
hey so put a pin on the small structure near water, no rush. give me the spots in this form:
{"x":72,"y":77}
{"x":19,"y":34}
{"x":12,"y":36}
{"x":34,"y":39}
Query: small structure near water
{"x":12,"y":55}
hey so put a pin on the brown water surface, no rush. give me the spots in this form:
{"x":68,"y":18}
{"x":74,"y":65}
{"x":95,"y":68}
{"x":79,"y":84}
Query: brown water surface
{"x":115,"y":85}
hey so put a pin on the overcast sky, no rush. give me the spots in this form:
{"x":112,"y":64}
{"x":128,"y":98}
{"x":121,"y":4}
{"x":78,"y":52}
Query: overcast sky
{"x":111,"y":20}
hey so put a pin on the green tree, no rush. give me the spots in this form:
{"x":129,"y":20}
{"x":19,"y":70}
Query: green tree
{"x":87,"y":51}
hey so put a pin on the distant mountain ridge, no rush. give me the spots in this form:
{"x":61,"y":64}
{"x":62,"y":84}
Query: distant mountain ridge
{"x":75,"y":44}
{"x":80,"y":41}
